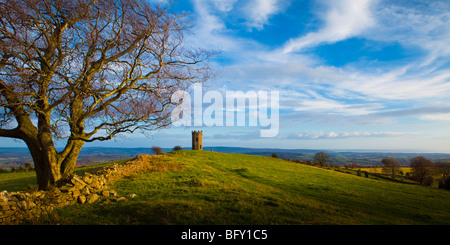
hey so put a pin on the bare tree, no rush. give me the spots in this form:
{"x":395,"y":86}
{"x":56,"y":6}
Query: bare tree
{"x":157,"y":150}
{"x":391,"y":166}
{"x":79,"y":71}
{"x":421,"y":168}
{"x":321,"y":158}
{"x":443,"y":169}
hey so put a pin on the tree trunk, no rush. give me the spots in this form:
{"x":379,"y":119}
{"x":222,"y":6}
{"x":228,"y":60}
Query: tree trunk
{"x":42,"y":169}
{"x":52,"y":168}
{"x":68,"y":159}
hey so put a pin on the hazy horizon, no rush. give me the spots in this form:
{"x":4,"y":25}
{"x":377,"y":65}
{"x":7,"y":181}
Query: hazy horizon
{"x":255,"y":148}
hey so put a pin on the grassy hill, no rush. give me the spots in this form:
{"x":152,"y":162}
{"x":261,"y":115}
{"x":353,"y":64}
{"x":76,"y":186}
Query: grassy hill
{"x":201,"y":187}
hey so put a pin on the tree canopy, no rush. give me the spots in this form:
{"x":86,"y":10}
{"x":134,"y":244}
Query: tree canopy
{"x":421,"y":168}
{"x":391,"y":166}
{"x":86,"y":70}
{"x":321,"y":158}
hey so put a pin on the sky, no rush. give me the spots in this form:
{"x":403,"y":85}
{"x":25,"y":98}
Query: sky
{"x":351,"y":74}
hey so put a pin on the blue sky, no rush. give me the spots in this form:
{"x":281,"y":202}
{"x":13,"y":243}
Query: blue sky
{"x":352,"y":74}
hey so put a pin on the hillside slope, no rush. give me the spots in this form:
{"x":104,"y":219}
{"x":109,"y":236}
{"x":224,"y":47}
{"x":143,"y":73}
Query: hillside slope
{"x":201,"y":187}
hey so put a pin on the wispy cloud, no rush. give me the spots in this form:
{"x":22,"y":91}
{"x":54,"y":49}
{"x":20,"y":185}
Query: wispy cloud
{"x":210,"y":30}
{"x":343,"y":19}
{"x":376,"y":117}
{"x":404,"y":83}
{"x":425,"y":27}
{"x":258,"y":12}
{"x":322,"y":104}
{"x":223,"y":5}
{"x":236,"y":135}
{"x":437,"y":117}
{"x":341,"y":135}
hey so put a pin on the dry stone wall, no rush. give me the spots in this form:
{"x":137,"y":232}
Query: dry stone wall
{"x":26,"y":207}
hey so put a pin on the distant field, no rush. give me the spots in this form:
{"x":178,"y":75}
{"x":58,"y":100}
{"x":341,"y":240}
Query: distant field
{"x":14,"y":157}
{"x":378,"y":170}
{"x":219,"y":188}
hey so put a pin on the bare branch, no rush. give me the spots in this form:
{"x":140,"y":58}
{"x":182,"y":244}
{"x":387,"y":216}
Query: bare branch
{"x":89,"y":70}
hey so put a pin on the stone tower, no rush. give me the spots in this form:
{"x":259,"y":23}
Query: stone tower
{"x":197,"y":140}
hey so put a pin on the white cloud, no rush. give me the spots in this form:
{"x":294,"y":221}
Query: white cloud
{"x":236,"y":135}
{"x":376,"y":117}
{"x":334,"y":135}
{"x":399,"y":84}
{"x":323,"y":87}
{"x":258,"y":12}
{"x":344,"y":19}
{"x":223,"y":5}
{"x":209,"y":28}
{"x":436,"y":117}
{"x":336,"y":107}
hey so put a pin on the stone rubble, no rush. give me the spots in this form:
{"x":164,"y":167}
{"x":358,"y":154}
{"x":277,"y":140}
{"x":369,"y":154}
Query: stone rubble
{"x":24,"y":207}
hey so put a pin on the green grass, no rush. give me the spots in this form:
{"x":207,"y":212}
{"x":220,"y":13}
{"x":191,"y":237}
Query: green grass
{"x":217,"y":188}
{"x":17,"y":181}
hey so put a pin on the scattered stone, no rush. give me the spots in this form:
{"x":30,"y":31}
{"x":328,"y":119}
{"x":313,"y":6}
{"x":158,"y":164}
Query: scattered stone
{"x":23,"y":205}
{"x":105,"y":193}
{"x":92,"y":198}
{"x":63,"y":189}
{"x":87,"y":178}
{"x":38,"y":194}
{"x":121,"y":199}
{"x":76,"y":193}
{"x":4,"y":207}
{"x":56,"y":191}
{"x":112,"y":193}
{"x":85,"y":191}
{"x":82,"y":199}
{"x":76,"y":181}
{"x":4,"y":197}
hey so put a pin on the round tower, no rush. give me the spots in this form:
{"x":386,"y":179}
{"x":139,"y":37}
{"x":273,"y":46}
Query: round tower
{"x":197,"y":140}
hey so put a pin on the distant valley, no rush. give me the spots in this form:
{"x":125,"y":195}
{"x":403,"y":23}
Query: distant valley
{"x":13,"y":157}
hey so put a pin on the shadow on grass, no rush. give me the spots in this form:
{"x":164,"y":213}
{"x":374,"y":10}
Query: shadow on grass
{"x":128,"y":213}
